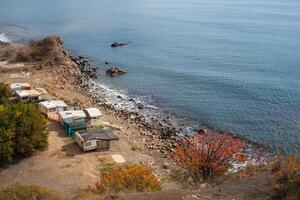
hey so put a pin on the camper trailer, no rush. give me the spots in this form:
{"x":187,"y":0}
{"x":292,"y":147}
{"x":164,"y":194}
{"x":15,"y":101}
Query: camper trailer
{"x":19,"y":86}
{"x":27,"y":95}
{"x":71,"y":117}
{"x":93,"y":114}
{"x":98,"y":139}
{"x":47,"y":107}
{"x":72,"y":120}
{"x":60,"y":105}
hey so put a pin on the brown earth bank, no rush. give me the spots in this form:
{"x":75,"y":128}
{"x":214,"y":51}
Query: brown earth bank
{"x":64,"y":168}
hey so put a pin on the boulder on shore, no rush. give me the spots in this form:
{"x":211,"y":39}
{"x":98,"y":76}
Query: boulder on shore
{"x":114,"y":71}
{"x":118,"y":44}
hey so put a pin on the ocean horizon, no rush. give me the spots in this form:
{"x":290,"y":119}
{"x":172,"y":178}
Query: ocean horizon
{"x":230,"y":65}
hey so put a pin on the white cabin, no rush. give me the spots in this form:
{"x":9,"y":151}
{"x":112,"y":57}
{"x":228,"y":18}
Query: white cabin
{"x":92,"y":113}
{"x":71,"y":116}
{"x":47,"y":107}
{"x":27,"y":95}
{"x":19,"y":86}
{"x":98,"y":139}
{"x":60,"y":105}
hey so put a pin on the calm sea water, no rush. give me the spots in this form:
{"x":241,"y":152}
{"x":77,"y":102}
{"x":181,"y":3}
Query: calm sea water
{"x":230,"y":64}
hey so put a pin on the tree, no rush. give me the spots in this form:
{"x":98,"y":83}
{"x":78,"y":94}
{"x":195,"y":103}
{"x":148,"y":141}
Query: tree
{"x":6,"y":145}
{"x":23,"y":130}
{"x":30,"y":129}
{"x":209,"y":154}
{"x":5,"y":93}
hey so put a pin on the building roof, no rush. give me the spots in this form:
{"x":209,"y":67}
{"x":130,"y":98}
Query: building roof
{"x":59,"y":103}
{"x":19,"y":85}
{"x":93,"y":112}
{"x":47,"y":104}
{"x":27,"y":93}
{"x":41,"y":90}
{"x":22,"y":93}
{"x":33,"y":92}
{"x":98,"y":134}
{"x":72,"y":114}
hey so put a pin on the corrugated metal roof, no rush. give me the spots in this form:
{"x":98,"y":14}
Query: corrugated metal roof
{"x":98,"y":134}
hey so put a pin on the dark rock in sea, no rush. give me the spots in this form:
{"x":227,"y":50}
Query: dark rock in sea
{"x":114,"y":71}
{"x":141,"y":106}
{"x":80,"y":57}
{"x":106,"y":63}
{"x":118,"y":44}
{"x":131,"y":99}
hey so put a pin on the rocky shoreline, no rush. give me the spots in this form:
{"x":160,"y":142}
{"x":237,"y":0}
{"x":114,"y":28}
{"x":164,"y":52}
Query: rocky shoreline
{"x":159,"y":136}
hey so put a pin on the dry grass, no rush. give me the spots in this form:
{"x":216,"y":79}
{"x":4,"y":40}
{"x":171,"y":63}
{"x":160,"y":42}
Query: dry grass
{"x":28,"y":192}
{"x":130,"y":178}
{"x":287,"y":186}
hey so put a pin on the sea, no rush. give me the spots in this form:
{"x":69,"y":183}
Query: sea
{"x":231,"y":65}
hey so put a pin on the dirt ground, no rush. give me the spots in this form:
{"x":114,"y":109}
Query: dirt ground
{"x":63,"y":166}
{"x":248,"y":188}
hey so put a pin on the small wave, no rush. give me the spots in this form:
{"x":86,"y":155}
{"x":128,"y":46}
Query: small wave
{"x":121,"y":100}
{"x":4,"y":38}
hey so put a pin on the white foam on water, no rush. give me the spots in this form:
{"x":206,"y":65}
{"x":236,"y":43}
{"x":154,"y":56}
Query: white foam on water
{"x":4,"y":38}
{"x":121,"y":100}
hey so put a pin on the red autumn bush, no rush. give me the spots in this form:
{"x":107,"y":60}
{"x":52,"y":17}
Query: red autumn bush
{"x":206,"y":155}
{"x":130,"y":178}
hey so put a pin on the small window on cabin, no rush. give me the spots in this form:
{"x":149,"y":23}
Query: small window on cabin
{"x":52,"y":110}
{"x":88,"y":143}
{"x":25,"y":98}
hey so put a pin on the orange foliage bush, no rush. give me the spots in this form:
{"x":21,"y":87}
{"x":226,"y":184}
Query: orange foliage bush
{"x":209,"y":154}
{"x":131,"y":178}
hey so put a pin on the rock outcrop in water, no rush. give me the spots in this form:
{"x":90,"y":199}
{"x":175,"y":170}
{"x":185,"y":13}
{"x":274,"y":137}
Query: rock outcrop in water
{"x":114,"y":71}
{"x":118,"y":44}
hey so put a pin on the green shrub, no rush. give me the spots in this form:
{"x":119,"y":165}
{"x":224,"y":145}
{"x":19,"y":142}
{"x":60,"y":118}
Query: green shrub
{"x":28,"y":192}
{"x":130,"y":178}
{"x":6,"y":145}
{"x":5,"y":93}
{"x":23,"y":130}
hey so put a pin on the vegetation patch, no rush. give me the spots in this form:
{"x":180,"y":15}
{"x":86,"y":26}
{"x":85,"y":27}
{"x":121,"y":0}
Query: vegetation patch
{"x":287,"y":186}
{"x":128,"y":178}
{"x":23,"y":129}
{"x":207,"y":155}
{"x":28,"y":192}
